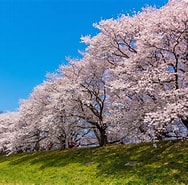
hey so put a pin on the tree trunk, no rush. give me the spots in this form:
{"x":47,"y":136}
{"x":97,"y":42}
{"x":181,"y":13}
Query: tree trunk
{"x":61,"y":139}
{"x":66,"y":142}
{"x":62,"y":145}
{"x":37,"y":145}
{"x":185,"y":122}
{"x":103,"y":137}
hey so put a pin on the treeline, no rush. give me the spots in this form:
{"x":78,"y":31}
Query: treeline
{"x":131,"y":85}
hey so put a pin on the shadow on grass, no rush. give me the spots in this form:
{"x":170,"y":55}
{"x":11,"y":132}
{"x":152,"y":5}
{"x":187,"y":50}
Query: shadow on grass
{"x":168,"y":162}
{"x":52,"y":158}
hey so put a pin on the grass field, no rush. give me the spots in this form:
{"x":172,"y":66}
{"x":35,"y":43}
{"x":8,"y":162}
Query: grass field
{"x":135,"y":164}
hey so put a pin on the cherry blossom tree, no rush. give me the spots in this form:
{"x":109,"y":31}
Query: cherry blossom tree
{"x":31,"y":112}
{"x":63,"y":128}
{"x":161,"y":64}
{"x":149,"y":55}
{"x":165,"y":42}
{"x":8,"y":130}
{"x":130,"y":85}
{"x":89,"y":95}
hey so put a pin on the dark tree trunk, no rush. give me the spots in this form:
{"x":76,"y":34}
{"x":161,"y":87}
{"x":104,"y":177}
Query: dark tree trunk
{"x":62,"y":143}
{"x":185,"y":122}
{"x":37,"y":145}
{"x":103,"y":137}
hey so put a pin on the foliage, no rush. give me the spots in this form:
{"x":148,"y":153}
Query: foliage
{"x":131,"y":85}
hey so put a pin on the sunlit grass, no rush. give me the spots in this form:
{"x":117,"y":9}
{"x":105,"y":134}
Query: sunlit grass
{"x":136,"y":164}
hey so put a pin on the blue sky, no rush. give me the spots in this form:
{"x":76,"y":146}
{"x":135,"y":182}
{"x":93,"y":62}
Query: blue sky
{"x":37,"y":35}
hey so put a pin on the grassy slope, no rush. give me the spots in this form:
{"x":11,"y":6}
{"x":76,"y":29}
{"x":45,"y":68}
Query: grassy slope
{"x":166,"y":164}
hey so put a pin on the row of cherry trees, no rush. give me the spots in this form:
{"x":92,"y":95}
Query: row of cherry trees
{"x":130,"y":85}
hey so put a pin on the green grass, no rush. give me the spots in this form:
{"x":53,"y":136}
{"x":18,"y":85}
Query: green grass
{"x":166,"y":165}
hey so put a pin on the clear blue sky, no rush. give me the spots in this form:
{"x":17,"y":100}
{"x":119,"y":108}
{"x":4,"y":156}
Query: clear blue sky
{"x":37,"y":35}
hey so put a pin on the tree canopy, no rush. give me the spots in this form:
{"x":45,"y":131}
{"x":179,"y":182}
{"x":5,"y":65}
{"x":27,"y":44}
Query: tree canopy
{"x":130,"y":85}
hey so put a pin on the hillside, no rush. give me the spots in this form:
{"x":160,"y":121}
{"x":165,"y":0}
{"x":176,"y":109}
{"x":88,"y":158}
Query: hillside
{"x":112,"y":165}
